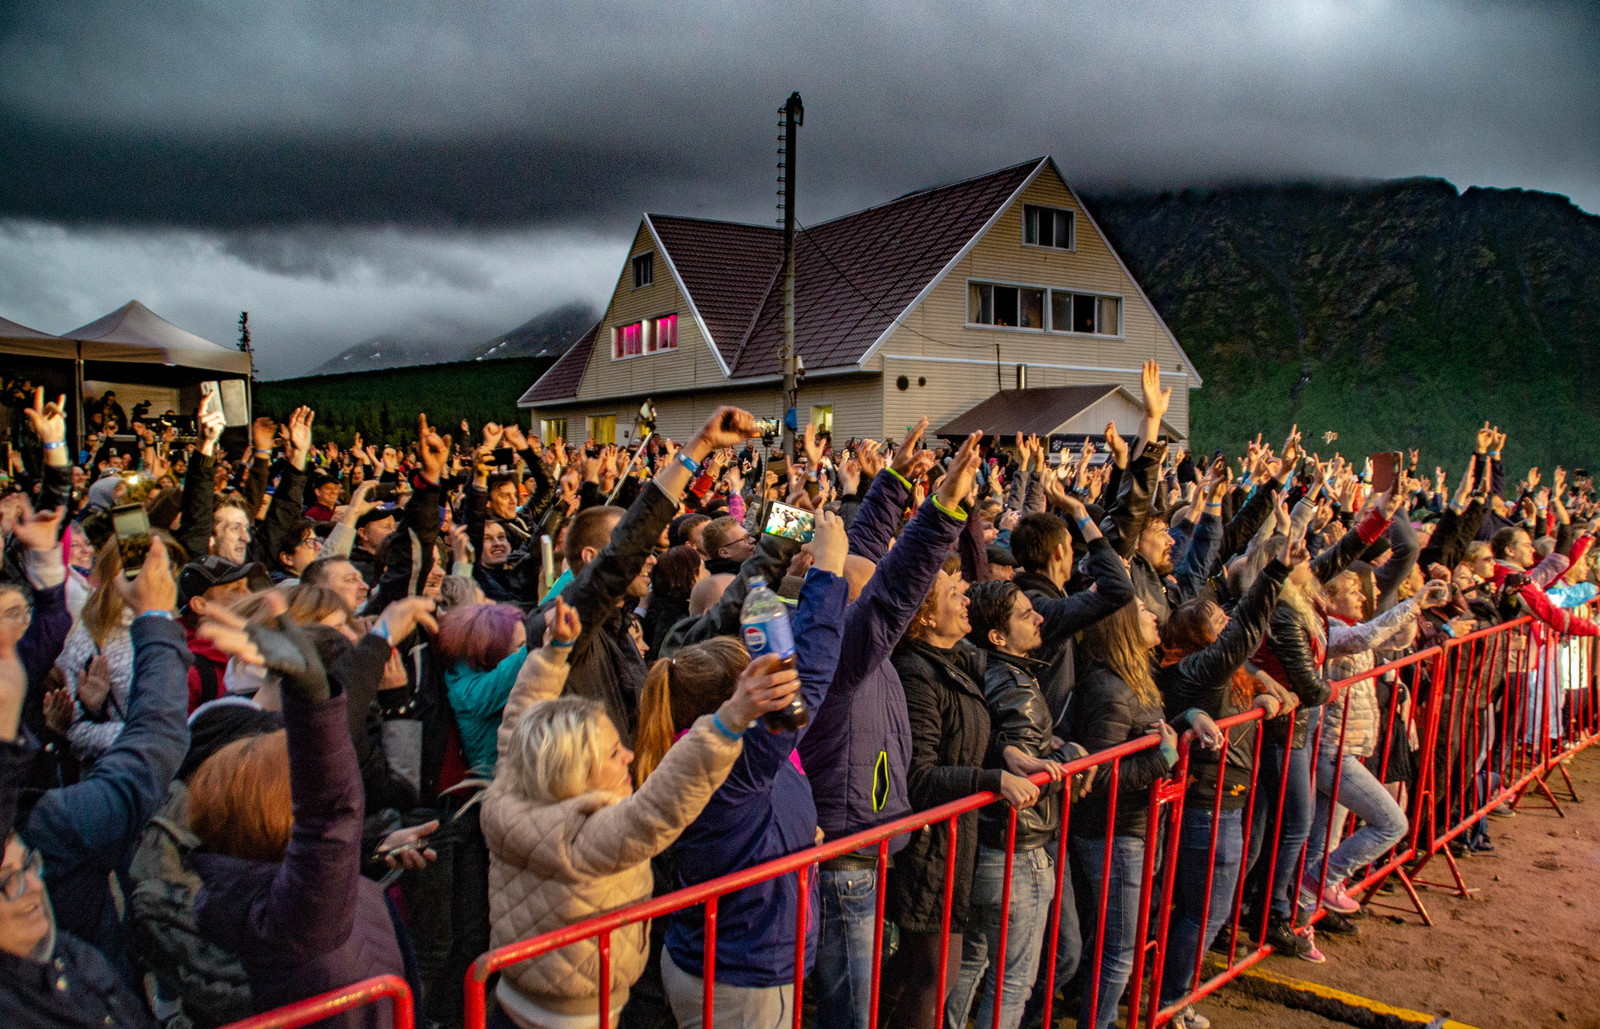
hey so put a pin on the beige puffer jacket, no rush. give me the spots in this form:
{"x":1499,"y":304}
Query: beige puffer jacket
{"x":1350,"y":648}
{"x":551,"y":865}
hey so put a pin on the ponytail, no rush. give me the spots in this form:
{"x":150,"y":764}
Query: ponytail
{"x":655,"y":721}
{"x":694,"y":682}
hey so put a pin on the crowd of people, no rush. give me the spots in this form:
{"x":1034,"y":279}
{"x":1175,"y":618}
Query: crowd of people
{"x":346,"y":711}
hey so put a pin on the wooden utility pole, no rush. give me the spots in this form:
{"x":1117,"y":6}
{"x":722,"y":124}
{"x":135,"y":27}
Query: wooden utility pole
{"x":794,"y":115}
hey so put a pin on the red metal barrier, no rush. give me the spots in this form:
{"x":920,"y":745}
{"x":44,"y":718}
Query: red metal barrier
{"x":1493,"y":715}
{"x":315,"y":1009}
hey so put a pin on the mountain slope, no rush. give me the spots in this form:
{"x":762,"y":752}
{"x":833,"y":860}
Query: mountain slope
{"x":547,"y":334}
{"x":1398,"y":314}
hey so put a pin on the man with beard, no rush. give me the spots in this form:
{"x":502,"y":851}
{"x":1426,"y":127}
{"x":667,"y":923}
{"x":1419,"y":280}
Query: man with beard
{"x":1151,"y":569}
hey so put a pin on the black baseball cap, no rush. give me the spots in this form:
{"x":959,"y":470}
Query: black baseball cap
{"x":378,"y":514}
{"x":1000,"y":555}
{"x":198,"y":576}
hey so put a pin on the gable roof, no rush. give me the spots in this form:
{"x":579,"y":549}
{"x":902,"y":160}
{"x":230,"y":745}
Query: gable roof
{"x":562,"y":378}
{"x":856,"y":276}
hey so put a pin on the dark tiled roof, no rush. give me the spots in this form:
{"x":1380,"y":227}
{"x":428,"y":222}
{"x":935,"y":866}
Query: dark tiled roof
{"x":856,"y":274}
{"x":561,"y":379}
{"x":727,"y":269}
{"x":853,"y":276}
{"x":1033,"y":411}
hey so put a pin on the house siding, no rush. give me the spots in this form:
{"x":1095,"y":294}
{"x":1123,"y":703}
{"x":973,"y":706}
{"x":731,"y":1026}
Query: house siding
{"x":856,"y":408}
{"x":691,"y":364}
{"x":937,"y":327}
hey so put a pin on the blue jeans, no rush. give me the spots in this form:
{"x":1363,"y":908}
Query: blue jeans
{"x":1069,"y":951}
{"x":842,"y":974}
{"x":1184,"y":937}
{"x":1384,"y":824}
{"x":1033,"y":883}
{"x":1120,"y":930}
{"x":1297,"y":811}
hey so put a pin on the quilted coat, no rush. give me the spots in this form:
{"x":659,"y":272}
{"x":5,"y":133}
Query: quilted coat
{"x":551,"y":865}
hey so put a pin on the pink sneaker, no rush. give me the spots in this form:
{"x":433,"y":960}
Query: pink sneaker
{"x":1335,"y":898}
{"x":1314,"y":955}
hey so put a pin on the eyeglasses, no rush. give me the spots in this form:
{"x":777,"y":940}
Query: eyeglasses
{"x":16,"y":614}
{"x":14,"y":884}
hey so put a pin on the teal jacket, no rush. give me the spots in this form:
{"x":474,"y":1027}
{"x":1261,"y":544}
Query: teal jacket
{"x":478,"y":698}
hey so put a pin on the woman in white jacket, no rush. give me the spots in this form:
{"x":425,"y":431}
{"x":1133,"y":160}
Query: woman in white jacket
{"x":1352,"y":726}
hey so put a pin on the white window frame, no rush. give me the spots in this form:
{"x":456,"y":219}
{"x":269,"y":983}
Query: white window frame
{"x":1044,"y":315}
{"x":1122,"y":313}
{"x":589,"y":425}
{"x":647,"y":336}
{"x":649,"y":259}
{"x":1072,"y":227}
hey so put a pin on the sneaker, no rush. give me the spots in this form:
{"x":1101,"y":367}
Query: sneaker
{"x":1189,"y":1018}
{"x":1285,"y":940}
{"x":1312,"y":954}
{"x":1484,"y":846}
{"x":1503,"y":811}
{"x":1339,"y":925}
{"x":1336,"y":899}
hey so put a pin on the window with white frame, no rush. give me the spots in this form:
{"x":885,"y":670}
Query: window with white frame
{"x":1087,"y":313}
{"x":552,"y":429}
{"x":644,"y":270}
{"x":1017,"y":307}
{"x":649,"y":336}
{"x":1047,"y":227}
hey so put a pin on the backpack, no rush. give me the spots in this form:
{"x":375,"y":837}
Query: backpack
{"x":206,"y":983}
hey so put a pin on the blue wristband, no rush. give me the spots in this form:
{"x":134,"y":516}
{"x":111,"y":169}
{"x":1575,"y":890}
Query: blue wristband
{"x":158,"y":613}
{"x":683,"y":458}
{"x":716,"y":720}
{"x":560,"y":644}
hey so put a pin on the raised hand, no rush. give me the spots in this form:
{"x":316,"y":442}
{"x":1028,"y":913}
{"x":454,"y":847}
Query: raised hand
{"x":727,"y":427}
{"x":94,"y":685}
{"x":39,"y":531}
{"x":963,"y":472}
{"x":1117,"y":445}
{"x":514,"y":438}
{"x":871,"y":458}
{"x":211,"y":425}
{"x":434,"y":451}
{"x":48,"y":421}
{"x":905,"y":455}
{"x":813,"y":447}
{"x":153,"y":589}
{"x":1156,"y":397}
{"x":829,"y":544}
{"x":1486,"y":437}
{"x":562,"y":626}
{"x":761,"y":687}
{"x":491,"y":434}
{"x":263,"y":433}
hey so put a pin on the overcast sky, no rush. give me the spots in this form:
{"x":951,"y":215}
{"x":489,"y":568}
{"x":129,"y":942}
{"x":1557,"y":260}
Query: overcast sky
{"x":344,"y":170}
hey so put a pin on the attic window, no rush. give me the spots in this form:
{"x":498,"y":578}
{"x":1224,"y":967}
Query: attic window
{"x":650,"y":336}
{"x":1047,"y":227}
{"x":1017,"y":307}
{"x":644,"y":270}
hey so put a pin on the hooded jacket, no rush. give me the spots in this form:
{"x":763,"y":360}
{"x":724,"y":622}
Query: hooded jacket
{"x":858,"y":747}
{"x":310,"y":923}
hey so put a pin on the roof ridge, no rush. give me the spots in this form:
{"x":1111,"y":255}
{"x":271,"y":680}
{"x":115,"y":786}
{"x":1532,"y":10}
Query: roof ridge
{"x":715,"y":221}
{"x":1032,"y":163}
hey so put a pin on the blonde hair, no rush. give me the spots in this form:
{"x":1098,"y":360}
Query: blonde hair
{"x":1306,"y":604}
{"x":555,"y":747}
{"x":102,"y":611}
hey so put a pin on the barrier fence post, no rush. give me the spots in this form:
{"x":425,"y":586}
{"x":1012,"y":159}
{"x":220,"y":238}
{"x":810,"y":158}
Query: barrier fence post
{"x":802,"y":911}
{"x":334,"y":1002}
{"x":877,"y":936}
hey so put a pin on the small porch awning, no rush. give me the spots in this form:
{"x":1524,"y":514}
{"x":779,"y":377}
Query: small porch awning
{"x":1053,"y":411}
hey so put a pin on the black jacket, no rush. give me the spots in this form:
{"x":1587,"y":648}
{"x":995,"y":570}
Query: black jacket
{"x":1204,"y":680}
{"x":1019,"y":717}
{"x":77,"y":987}
{"x":605,"y":664}
{"x":1066,"y":616}
{"x":1103,"y":713}
{"x":949,"y":738}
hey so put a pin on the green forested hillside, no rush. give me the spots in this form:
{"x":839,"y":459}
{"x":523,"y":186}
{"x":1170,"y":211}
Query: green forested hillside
{"x":383,"y":405}
{"x":1398,"y":314}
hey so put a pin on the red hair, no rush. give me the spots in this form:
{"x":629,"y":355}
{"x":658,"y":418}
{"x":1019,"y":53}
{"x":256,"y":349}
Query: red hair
{"x":239,"y":802}
{"x":479,"y":634}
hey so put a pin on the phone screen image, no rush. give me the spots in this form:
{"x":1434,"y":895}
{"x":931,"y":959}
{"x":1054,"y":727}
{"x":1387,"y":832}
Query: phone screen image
{"x":132,"y":525}
{"x":1385,"y":465}
{"x":790,"y":522}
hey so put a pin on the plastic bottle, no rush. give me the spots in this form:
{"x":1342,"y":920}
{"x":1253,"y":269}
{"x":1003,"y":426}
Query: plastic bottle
{"x":764,"y":627}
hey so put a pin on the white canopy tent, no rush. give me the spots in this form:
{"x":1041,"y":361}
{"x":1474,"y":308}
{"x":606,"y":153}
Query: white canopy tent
{"x":21,"y":340}
{"x":134,"y":334}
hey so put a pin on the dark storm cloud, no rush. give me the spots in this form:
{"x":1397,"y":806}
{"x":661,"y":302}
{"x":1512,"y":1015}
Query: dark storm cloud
{"x":496,"y":114}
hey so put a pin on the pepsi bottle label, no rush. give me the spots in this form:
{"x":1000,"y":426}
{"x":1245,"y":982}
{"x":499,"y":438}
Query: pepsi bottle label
{"x":772,"y":636}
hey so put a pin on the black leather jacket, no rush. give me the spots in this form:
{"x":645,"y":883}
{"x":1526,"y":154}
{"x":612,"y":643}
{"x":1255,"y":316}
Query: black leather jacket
{"x":1019,"y":717}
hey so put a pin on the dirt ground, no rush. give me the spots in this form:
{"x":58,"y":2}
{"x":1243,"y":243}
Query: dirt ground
{"x":1521,"y":952}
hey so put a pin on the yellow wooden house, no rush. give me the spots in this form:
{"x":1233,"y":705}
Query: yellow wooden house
{"x":971,"y":302}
